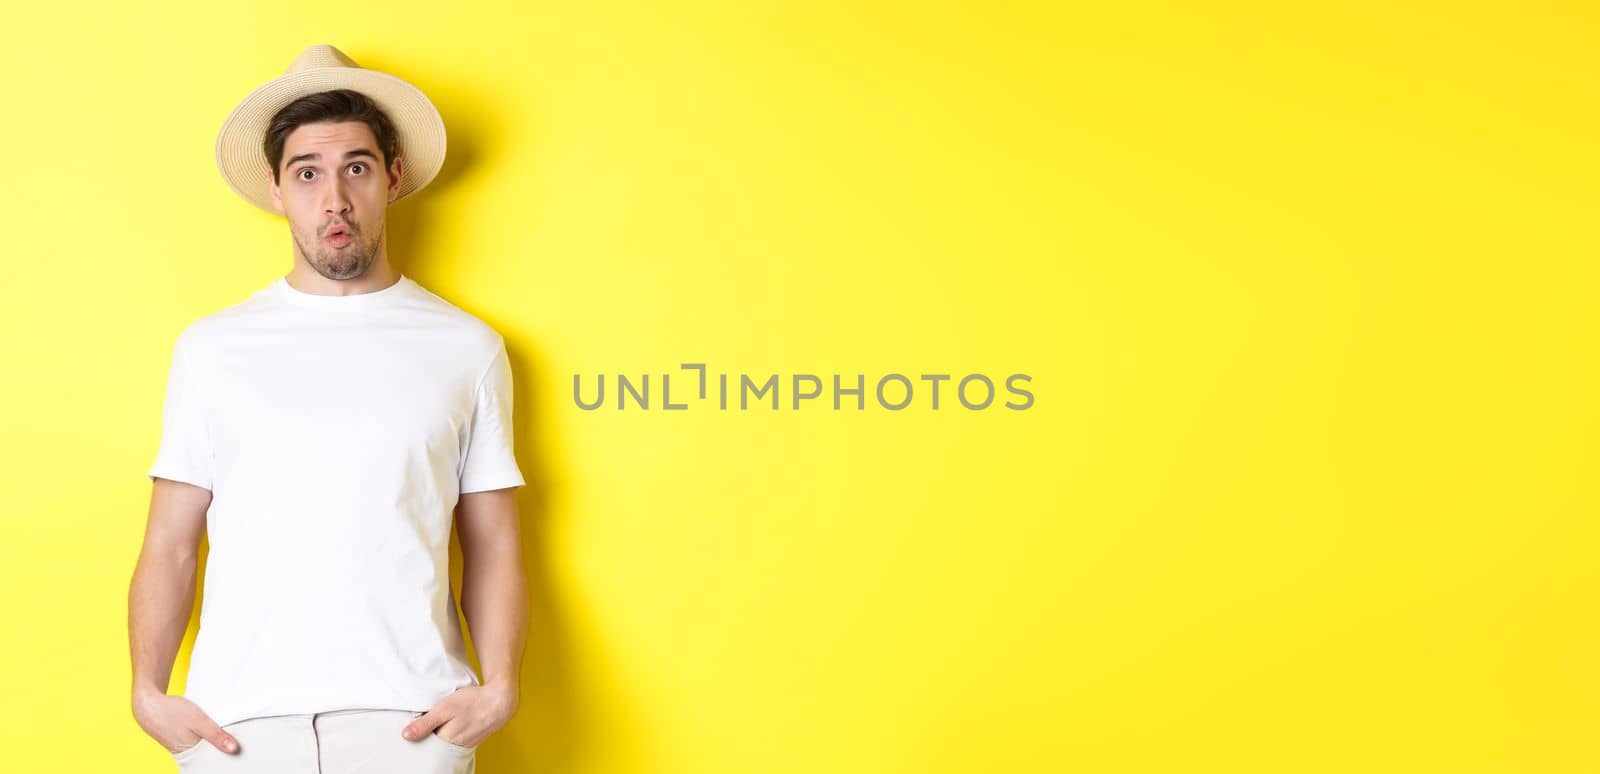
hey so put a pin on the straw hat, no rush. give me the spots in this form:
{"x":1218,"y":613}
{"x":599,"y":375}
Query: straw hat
{"x":322,"y":68}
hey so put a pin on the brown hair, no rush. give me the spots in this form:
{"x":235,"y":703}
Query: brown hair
{"x":332,"y":106}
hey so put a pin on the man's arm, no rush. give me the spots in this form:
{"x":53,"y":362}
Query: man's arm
{"x":494,"y":584}
{"x":494,"y":596}
{"x":160,"y":599}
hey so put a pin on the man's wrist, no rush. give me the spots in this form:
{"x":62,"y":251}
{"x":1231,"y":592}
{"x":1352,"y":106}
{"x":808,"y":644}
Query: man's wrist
{"x":147,"y":688}
{"x":144,"y":693}
{"x":505,"y":687}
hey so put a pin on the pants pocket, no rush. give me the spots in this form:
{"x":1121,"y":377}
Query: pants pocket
{"x":456,"y":747}
{"x":187,"y":754}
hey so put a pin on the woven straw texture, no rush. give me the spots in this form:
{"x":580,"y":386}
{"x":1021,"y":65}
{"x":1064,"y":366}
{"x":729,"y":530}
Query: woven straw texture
{"x":243,"y":162}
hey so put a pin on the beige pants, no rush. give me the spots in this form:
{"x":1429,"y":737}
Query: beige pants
{"x":360,"y":741}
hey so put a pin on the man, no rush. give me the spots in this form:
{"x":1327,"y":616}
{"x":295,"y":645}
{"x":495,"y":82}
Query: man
{"x":321,"y":433}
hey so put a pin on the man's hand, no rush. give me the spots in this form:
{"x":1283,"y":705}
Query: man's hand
{"x":467,"y":716}
{"x":178,"y":724}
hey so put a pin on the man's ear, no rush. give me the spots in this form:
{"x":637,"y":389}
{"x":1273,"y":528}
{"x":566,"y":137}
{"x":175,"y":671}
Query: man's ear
{"x":396,"y":174}
{"x":277,"y":198}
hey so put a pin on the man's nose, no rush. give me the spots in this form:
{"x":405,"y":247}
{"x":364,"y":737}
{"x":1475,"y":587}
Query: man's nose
{"x":338,"y":198}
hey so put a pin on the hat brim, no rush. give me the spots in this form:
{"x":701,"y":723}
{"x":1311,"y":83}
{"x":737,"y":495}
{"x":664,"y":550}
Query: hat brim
{"x":244,"y":165}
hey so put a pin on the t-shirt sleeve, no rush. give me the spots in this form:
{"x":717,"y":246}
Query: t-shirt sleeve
{"x":490,"y":461}
{"x":184,"y":453}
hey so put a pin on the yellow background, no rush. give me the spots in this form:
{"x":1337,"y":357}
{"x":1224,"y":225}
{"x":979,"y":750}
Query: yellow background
{"x":1306,"y":292}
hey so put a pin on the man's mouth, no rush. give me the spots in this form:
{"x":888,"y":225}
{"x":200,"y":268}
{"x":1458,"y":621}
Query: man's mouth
{"x":338,"y":236}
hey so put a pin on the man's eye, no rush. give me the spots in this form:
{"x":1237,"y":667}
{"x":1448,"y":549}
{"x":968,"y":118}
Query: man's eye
{"x":358,"y":166}
{"x":303,"y":172}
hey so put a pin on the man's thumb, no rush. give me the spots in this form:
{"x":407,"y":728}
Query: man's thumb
{"x":420,"y":726}
{"x":218,"y":738}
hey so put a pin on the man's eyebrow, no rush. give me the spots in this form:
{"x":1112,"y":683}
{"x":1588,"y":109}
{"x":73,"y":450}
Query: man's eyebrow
{"x":350,"y":154}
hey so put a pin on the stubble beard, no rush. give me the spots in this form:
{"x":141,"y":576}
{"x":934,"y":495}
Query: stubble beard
{"x":342,"y":263}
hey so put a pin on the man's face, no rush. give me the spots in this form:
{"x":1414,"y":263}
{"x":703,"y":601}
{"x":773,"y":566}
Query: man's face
{"x":335,"y":192}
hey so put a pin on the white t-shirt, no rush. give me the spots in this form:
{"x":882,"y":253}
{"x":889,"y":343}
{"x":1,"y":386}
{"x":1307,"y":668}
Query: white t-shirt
{"x":335,"y":434}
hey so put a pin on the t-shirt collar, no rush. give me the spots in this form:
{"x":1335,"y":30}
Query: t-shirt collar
{"x":282,"y":289}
